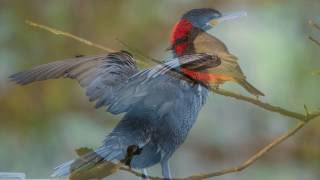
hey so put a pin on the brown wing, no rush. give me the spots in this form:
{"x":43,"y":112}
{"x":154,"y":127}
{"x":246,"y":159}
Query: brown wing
{"x":196,"y":62}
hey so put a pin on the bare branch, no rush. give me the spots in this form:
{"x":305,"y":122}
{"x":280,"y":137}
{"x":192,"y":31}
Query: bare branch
{"x":254,"y":157}
{"x":98,"y":172}
{"x":260,"y":104}
{"x":314,"y":40}
{"x":317,"y":27}
{"x":66,"y":34}
{"x":77,"y":38}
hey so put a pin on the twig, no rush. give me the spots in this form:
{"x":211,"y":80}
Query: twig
{"x":315,"y":25}
{"x":303,"y":118}
{"x":69,"y":35}
{"x":254,"y":157}
{"x":317,"y":42}
{"x":314,"y":40}
{"x":97,"y":172}
{"x":77,"y":38}
{"x":260,"y":104}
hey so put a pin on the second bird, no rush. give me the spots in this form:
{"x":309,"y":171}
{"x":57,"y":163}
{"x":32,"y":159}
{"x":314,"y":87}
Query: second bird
{"x":190,"y":36}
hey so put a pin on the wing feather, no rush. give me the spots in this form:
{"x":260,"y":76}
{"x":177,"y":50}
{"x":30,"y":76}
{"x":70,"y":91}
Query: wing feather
{"x":112,"y":80}
{"x":101,"y":75}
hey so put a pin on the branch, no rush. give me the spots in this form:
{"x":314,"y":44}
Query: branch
{"x":314,"y":40}
{"x":58,"y":32}
{"x":317,"y":42}
{"x":317,"y":27}
{"x":99,"y":171}
{"x":254,"y":157}
{"x":74,"y":37}
{"x":108,"y":168}
{"x":260,"y":104}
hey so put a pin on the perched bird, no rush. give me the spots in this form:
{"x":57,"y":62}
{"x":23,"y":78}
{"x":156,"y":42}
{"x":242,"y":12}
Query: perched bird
{"x":160,"y":104}
{"x":190,"y":35}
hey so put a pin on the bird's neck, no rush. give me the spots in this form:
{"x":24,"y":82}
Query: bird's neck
{"x":182,"y":38}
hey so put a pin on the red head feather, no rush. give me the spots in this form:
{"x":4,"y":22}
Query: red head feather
{"x":180,"y":31}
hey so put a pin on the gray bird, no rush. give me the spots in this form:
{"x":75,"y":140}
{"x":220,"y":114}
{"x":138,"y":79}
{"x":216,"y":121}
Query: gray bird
{"x":160,"y":104}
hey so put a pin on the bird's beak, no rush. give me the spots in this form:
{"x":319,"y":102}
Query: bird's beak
{"x":227,"y":17}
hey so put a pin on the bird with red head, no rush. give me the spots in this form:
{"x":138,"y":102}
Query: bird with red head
{"x":190,"y":36}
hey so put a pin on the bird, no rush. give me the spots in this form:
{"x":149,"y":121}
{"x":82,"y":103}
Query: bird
{"x":190,"y":35}
{"x":159,"y":104}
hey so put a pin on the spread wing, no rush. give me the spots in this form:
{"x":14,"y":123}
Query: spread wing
{"x":101,"y":75}
{"x":113,"y":80}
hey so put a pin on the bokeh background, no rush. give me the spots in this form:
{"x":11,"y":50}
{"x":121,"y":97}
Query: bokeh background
{"x":42,"y":124}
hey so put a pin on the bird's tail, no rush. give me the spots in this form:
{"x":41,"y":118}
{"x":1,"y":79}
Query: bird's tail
{"x":250,"y":88}
{"x":86,"y":161}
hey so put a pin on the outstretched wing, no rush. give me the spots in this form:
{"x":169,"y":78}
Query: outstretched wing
{"x":113,"y":80}
{"x":101,"y":75}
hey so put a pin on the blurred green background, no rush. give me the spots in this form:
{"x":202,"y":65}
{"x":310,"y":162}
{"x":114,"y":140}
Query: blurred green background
{"x":42,"y":124}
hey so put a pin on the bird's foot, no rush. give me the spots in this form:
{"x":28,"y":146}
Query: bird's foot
{"x":144,"y":174}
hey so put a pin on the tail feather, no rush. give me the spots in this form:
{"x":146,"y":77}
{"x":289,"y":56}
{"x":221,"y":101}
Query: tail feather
{"x":250,"y":88}
{"x":86,"y":161}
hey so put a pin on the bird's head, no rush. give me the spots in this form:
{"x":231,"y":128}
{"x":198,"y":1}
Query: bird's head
{"x":201,"y":18}
{"x":193,"y":22}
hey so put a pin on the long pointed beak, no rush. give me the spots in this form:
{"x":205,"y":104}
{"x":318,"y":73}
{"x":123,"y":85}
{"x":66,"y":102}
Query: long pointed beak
{"x":227,"y":17}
